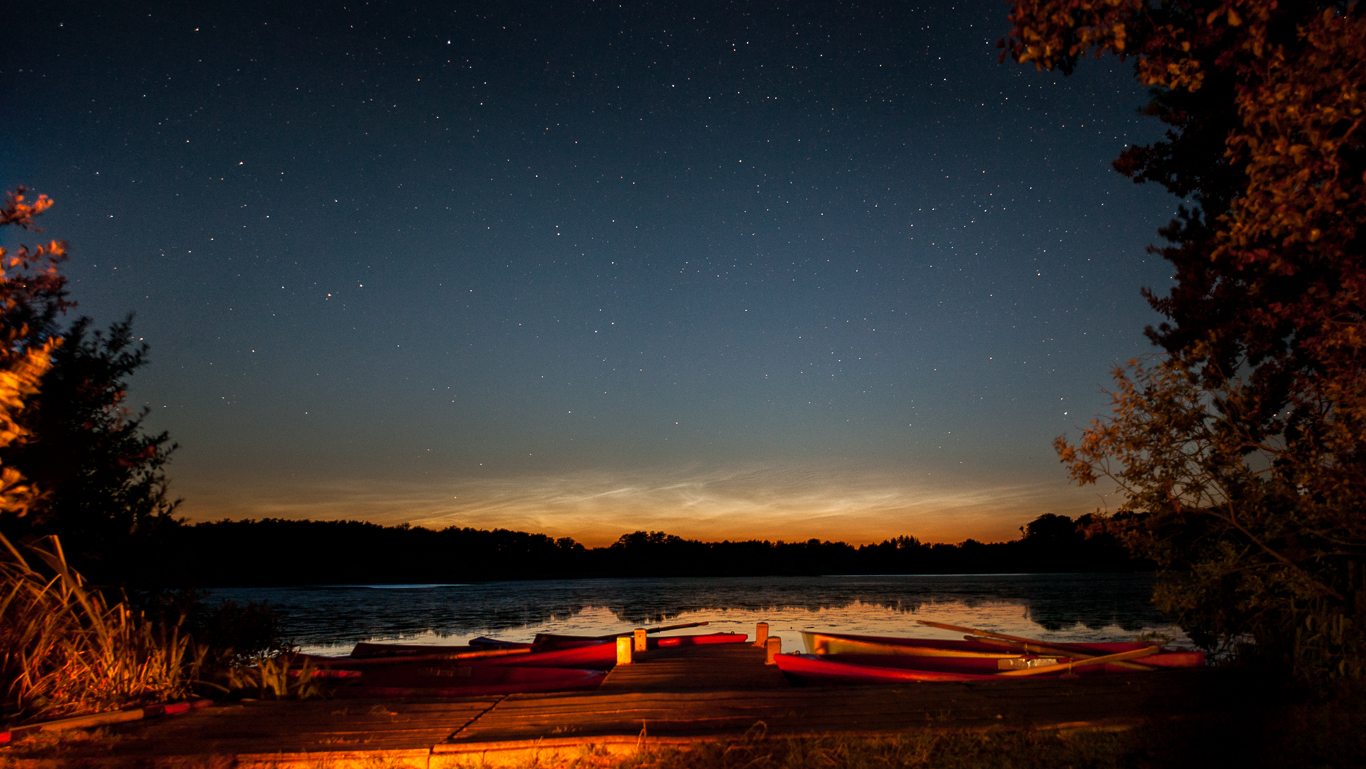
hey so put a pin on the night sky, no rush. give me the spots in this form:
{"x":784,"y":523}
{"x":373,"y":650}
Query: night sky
{"x":725,"y":270}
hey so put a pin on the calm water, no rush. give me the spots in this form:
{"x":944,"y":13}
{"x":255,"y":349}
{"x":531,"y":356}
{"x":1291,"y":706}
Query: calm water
{"x":1053,"y":607}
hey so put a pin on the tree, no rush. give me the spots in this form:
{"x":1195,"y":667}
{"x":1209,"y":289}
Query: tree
{"x":28,"y":282}
{"x":102,"y":474}
{"x":97,"y":479}
{"x":1242,"y":452}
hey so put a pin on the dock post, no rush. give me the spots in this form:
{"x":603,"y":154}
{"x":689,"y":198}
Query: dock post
{"x":773,"y":647}
{"x":640,"y":639}
{"x":761,"y":634}
{"x":623,"y":651}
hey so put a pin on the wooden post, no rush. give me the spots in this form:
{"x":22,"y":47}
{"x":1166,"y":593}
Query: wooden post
{"x":623,"y":651}
{"x":773,"y":646}
{"x":761,"y":634}
{"x":640,"y":639}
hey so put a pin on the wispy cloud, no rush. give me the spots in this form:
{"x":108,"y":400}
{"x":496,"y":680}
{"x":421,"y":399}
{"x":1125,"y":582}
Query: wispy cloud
{"x":790,"y":502}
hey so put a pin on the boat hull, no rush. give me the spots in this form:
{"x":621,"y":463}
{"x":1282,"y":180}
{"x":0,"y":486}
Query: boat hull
{"x":890,"y":646}
{"x":843,"y":643}
{"x":828,"y":669}
{"x":556,"y":651}
{"x":651,"y":642}
{"x":847,"y":668}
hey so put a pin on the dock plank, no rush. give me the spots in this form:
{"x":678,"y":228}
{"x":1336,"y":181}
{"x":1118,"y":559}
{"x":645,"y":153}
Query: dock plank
{"x":717,"y":667}
{"x":302,"y":727}
{"x":843,"y":709}
{"x":667,"y":696}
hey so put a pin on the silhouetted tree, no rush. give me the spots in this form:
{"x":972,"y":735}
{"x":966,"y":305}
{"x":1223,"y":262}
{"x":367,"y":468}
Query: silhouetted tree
{"x":99,"y":478}
{"x":1242,"y":452}
{"x":101,"y":473}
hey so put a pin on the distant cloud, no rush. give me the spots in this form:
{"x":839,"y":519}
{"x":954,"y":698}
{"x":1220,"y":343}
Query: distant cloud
{"x":791,"y":502}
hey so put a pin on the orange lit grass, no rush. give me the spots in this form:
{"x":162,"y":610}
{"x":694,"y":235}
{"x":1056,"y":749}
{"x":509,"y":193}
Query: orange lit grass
{"x":66,"y":650}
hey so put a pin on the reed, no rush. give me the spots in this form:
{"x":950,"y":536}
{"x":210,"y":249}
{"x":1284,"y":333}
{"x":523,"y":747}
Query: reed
{"x":264,"y":676}
{"x":65,"y":649}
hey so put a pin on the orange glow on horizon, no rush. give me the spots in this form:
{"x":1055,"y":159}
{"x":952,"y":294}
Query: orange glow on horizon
{"x":595,"y":508}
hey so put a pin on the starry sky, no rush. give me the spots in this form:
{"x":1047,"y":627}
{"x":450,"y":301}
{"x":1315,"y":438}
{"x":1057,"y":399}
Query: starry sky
{"x":721,"y":269}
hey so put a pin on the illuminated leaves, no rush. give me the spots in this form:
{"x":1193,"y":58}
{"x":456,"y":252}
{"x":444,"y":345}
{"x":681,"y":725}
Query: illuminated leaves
{"x":1242,"y":455}
{"x":24,"y":360}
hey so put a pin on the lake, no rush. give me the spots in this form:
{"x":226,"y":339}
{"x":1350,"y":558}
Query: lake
{"x":1050,"y":607}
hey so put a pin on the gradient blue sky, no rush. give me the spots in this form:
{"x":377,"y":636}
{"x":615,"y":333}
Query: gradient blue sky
{"x":719,"y":269}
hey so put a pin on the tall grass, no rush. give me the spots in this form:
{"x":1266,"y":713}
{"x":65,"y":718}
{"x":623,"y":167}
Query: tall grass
{"x":64,"y":649}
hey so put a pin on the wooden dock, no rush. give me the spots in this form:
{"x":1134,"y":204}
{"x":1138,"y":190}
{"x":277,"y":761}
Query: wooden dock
{"x":673,"y":696}
{"x":716,"y":667}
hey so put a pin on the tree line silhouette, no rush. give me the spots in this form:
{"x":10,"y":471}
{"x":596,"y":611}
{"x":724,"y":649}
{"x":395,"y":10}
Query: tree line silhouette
{"x":276,"y":552}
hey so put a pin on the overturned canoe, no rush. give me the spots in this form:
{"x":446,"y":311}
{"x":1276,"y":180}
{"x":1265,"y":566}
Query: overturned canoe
{"x":696,"y":639}
{"x":556,"y":651}
{"x":842,"y":643}
{"x":484,"y":646}
{"x":567,"y":651}
{"x":839,"y":668}
{"x":891,"y":668}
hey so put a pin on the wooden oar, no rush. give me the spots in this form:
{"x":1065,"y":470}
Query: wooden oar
{"x":1108,"y":659}
{"x":651,"y":630}
{"x":1046,"y":650}
{"x":1018,"y":642}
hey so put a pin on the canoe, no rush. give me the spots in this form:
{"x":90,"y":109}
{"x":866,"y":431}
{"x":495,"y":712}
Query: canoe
{"x":591,"y":653}
{"x":842,"y":643}
{"x":553,"y":651}
{"x":830,"y":669}
{"x":484,"y":642}
{"x":652,"y":642}
{"x":367,"y":650}
{"x":849,"y":668}
{"x":458,"y":680}
{"x":598,"y":655}
{"x":485,"y":645}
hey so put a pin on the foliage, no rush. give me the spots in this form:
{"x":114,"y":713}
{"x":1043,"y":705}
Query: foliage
{"x":102,"y":474}
{"x":93,"y":476}
{"x":28,"y":280}
{"x":1246,"y":555}
{"x":229,"y":631}
{"x":1243,"y":451}
{"x":265,"y":676}
{"x":66,"y":650}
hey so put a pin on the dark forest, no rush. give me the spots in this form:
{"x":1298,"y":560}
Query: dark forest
{"x":275,"y":552}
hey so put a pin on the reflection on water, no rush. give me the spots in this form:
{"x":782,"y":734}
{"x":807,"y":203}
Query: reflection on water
{"x":1055,"y":607}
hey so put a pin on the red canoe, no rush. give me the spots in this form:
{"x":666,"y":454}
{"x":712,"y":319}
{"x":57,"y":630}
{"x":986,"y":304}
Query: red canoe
{"x":844,"y":643}
{"x":588,"y":653}
{"x":891,"y":668}
{"x":558,"y":651}
{"x":459,"y":680}
{"x":653,"y":642}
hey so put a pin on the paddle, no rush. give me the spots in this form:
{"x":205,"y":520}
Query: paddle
{"x":1105,"y":660}
{"x":653,"y":630}
{"x":1018,"y":642}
